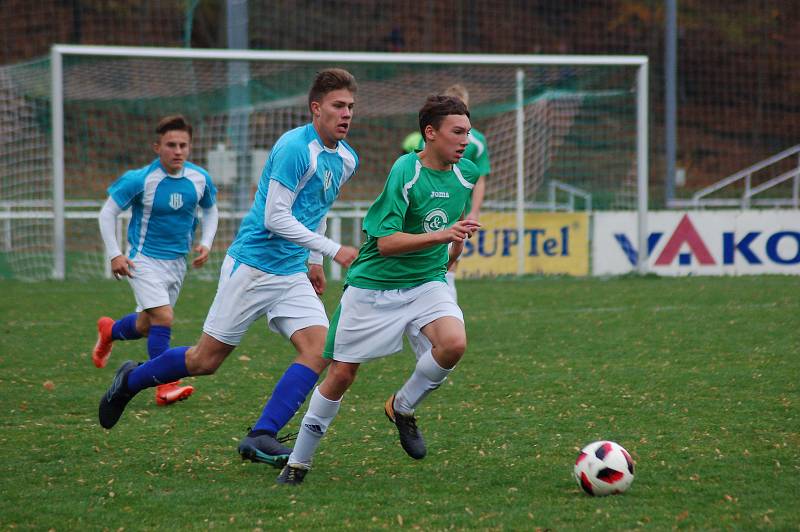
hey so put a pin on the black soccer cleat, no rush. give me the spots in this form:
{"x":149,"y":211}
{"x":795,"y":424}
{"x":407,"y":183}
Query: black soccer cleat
{"x":264,"y":448}
{"x":292,"y":475}
{"x":410,"y":436}
{"x":113,"y":402}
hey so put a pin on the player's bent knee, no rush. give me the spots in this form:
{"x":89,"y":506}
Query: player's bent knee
{"x":455,"y":347}
{"x":162,"y":316}
{"x":448,"y":353}
{"x":340,"y":378}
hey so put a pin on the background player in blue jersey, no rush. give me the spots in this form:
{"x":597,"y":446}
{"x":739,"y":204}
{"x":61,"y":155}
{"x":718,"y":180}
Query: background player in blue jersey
{"x":163,"y":197}
{"x":265,"y":272}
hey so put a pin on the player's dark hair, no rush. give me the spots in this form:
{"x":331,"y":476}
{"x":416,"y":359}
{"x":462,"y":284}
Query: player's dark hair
{"x":436,"y":108}
{"x":329,"y":80}
{"x":173,"y":123}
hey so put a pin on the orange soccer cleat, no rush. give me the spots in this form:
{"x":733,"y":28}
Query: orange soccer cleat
{"x":102,"y":349}
{"x":172,"y":392}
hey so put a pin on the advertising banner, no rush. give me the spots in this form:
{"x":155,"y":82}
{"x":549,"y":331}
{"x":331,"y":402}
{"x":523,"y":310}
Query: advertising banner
{"x":553,"y":243}
{"x":700,"y":242}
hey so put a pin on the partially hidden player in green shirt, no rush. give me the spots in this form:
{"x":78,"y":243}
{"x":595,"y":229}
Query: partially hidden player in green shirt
{"x":397,"y":285}
{"x":477,"y":151}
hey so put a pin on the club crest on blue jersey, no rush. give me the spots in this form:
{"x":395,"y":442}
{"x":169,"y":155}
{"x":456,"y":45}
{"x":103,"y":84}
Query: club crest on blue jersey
{"x":435,"y":220}
{"x":328,"y":179}
{"x":176,"y":200}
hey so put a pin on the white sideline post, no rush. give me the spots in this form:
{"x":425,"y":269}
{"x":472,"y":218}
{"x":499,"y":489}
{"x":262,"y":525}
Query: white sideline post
{"x":520,"y":118}
{"x":641,"y":164}
{"x":57,"y":114}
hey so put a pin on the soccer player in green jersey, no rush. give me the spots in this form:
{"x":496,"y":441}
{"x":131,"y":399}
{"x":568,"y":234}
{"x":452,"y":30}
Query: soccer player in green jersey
{"x":397,"y":284}
{"x":477,"y":152}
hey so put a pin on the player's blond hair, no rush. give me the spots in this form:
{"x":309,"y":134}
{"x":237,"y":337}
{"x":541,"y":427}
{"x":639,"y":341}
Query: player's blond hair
{"x":458,"y":91}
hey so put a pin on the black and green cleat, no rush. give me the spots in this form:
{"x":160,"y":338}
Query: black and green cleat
{"x":264,"y":448}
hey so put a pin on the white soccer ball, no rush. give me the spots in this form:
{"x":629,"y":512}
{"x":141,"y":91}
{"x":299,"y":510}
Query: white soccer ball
{"x":603,"y":468}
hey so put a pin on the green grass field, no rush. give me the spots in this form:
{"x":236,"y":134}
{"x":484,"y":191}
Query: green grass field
{"x":699,"y":378}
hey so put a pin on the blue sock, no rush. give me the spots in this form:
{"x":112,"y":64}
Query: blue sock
{"x":168,"y":367}
{"x":125,"y":328}
{"x":158,"y":340}
{"x":287,"y":397}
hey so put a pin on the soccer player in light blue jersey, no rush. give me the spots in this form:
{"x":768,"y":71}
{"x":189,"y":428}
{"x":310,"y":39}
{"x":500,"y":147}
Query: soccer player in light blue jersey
{"x":273,"y":269}
{"x":164,"y":197}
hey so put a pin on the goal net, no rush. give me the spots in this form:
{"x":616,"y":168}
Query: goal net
{"x":563,"y":132}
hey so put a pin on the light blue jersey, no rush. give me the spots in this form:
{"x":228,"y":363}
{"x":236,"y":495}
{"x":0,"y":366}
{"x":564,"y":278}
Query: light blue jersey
{"x":300,"y":162}
{"x":164,"y":208}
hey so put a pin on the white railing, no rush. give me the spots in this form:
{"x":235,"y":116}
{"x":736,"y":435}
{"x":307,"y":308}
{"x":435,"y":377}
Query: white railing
{"x":747,"y":199}
{"x":11,"y":210}
{"x":572,"y":192}
{"x":90,"y":209}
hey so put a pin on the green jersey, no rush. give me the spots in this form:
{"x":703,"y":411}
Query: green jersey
{"x":415,"y":200}
{"x":475,"y":151}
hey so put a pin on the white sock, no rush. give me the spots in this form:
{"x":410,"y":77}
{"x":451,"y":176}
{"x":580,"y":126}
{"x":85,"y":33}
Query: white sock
{"x":427,"y":376}
{"x":319,"y":416}
{"x":450,"y":277}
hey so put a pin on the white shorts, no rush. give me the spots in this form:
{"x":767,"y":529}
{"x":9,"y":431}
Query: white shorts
{"x":450,"y":277}
{"x":156,"y":282}
{"x":370,"y":323}
{"x":244,"y":294}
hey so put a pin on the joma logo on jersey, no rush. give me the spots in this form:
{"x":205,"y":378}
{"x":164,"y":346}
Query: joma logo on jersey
{"x":328,"y":179}
{"x":435,"y":194}
{"x":176,"y":200}
{"x":435,"y":220}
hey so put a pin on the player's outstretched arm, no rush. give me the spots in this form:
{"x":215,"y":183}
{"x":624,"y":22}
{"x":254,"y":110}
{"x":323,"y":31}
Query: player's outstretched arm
{"x":399,"y":242}
{"x":279,"y":220}
{"x":346,"y":255}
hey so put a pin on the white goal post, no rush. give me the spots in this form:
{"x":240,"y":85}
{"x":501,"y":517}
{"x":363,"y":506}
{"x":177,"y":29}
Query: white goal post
{"x":466,"y":64}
